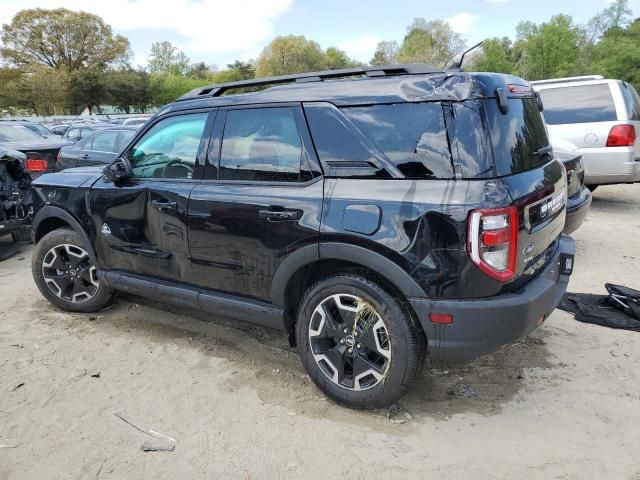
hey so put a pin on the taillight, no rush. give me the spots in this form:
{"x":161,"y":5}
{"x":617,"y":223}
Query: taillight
{"x":493,"y":241}
{"x":622,"y":136}
{"x":36,"y":165}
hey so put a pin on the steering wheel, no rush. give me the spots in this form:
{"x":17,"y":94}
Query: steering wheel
{"x":177,"y":163}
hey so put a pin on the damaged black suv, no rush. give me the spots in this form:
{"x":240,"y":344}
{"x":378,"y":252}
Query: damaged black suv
{"x":377,"y":215}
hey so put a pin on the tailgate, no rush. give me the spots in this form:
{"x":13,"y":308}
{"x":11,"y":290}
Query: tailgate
{"x":540,"y":195}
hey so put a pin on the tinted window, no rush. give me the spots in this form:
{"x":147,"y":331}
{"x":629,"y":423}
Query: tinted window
{"x":102,"y":142}
{"x":578,"y":104}
{"x":17,"y":133}
{"x":261,"y":144}
{"x":169,"y":149}
{"x":631,"y":100}
{"x":517,"y":136}
{"x":411,"y":135}
{"x":471,"y":141}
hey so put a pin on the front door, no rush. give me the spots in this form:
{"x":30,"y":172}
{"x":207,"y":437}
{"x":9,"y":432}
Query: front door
{"x":261,"y":199}
{"x":142,"y":224}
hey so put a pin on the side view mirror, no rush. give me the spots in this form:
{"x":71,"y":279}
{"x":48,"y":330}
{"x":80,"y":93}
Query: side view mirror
{"x":118,"y":171}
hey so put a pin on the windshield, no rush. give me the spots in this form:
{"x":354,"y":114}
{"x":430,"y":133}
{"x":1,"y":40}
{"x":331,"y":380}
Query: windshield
{"x":17,"y":133}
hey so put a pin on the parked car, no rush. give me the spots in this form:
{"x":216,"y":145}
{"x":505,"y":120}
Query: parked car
{"x":78,"y":131}
{"x":578,"y":195}
{"x":99,"y":148}
{"x":41,"y":152}
{"x":59,"y":129}
{"x":33,"y":126}
{"x":602,"y":118}
{"x":375,"y":214}
{"x":135,"y":122}
{"x":16,"y":210}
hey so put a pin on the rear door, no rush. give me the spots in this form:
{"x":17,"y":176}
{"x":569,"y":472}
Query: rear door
{"x":260,"y":200}
{"x":535,"y":180}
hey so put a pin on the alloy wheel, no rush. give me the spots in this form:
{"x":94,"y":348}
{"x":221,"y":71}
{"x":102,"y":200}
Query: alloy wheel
{"x":69,"y":273}
{"x":350,"y":342}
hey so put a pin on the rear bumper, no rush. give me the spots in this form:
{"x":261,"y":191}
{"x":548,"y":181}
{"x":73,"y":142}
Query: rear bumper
{"x":577,"y":208}
{"x":482,"y":326}
{"x":608,"y":165}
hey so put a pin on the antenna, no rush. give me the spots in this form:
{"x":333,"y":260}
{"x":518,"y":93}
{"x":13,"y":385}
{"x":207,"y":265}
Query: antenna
{"x":457,"y":66}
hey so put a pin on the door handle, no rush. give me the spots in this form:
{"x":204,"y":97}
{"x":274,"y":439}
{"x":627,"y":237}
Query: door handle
{"x":279,"y":215}
{"x":84,"y":156}
{"x":164,"y":205}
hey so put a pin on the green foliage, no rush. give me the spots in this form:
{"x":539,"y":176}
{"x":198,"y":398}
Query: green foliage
{"x":165,"y":57}
{"x":496,"y":56}
{"x":128,"y":88}
{"x":432,"y":42}
{"x":166,"y":87}
{"x":290,"y":54}
{"x":337,"y":59}
{"x":87,"y":89}
{"x":240,"y":70}
{"x":386,"y":53}
{"x":61,"y":39}
{"x":617,"y":54}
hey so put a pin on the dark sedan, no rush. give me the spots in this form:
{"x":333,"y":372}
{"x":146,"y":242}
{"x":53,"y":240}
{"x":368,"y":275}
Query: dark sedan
{"x":578,"y":195}
{"x":41,"y":152}
{"x":99,"y":148}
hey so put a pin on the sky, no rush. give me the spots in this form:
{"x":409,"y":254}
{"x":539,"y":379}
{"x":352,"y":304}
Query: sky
{"x":219,"y":32}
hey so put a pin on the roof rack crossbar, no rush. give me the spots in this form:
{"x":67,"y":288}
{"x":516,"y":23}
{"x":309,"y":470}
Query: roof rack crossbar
{"x":373,"y":71}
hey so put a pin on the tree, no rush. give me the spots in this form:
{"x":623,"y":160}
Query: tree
{"x":547,"y":50}
{"x":617,"y":15}
{"x":165,"y":57}
{"x":337,"y":58}
{"x":242,"y":70}
{"x":166,"y":87}
{"x":290,"y":54}
{"x":617,"y":54}
{"x":432,"y":42}
{"x":42,"y":90}
{"x":386,"y":53}
{"x":198,"y":70}
{"x":128,"y":88}
{"x":496,"y":56}
{"x":87,"y":89}
{"x":61,"y":39}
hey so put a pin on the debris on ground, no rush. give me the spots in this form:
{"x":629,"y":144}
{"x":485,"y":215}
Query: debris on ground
{"x":21,"y":384}
{"x":95,"y":375}
{"x":168,"y":445}
{"x":398,"y":415}
{"x":8,"y":443}
{"x":462,"y":391}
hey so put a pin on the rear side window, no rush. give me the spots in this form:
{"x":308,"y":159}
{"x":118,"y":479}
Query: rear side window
{"x":261,"y":144}
{"x":412,"y":135}
{"x":631,"y":100}
{"x":578,"y":104}
{"x":518,"y":137}
{"x":103,"y":142}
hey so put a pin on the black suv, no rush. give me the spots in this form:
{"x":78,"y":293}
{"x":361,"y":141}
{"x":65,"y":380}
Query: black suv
{"x":376,"y":214}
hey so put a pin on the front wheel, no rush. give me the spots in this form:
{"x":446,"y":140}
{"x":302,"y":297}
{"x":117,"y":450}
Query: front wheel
{"x":66,"y":275}
{"x":357,"y":342}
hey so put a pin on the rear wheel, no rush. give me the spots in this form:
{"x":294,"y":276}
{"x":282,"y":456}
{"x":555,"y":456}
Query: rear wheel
{"x":359,"y":345}
{"x":66,"y":275}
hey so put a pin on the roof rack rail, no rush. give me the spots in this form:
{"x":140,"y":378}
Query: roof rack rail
{"x":373,"y":71}
{"x":583,"y":78}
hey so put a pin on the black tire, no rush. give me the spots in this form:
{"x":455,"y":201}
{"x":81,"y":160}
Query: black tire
{"x":91,"y":294}
{"x":401,"y":334}
{"x":592,"y":187}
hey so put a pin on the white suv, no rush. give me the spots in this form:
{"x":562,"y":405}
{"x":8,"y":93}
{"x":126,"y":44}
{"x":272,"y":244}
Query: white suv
{"x":602,"y":118}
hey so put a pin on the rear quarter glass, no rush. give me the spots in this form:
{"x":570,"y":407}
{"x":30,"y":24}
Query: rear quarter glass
{"x":631,"y":101}
{"x":516,"y":136}
{"x":578,"y":104}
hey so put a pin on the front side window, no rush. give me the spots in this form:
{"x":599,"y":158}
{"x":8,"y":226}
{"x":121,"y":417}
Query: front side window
{"x":578,"y":104}
{"x":102,"y":142}
{"x":261,"y":144}
{"x":412,"y":135}
{"x":169,"y":149}
{"x":74,"y":134}
{"x":123,"y":138}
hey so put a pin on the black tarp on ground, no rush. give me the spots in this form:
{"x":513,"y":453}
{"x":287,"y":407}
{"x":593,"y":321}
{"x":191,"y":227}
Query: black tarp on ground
{"x":619,"y":309}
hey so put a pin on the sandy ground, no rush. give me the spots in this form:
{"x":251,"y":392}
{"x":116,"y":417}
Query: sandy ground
{"x":563,"y":404}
